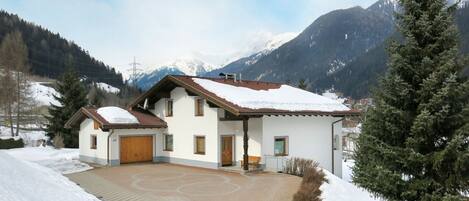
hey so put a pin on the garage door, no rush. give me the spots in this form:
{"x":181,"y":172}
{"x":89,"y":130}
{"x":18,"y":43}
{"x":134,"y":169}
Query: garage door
{"x":136,"y":149}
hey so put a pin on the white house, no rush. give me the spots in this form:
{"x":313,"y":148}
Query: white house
{"x":215,"y":122}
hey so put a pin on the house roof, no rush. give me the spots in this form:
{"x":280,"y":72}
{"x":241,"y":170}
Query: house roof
{"x":145,"y":119}
{"x":197,"y":86}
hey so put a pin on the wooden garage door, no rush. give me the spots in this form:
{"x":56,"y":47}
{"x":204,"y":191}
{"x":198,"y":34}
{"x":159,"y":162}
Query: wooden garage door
{"x":136,"y":149}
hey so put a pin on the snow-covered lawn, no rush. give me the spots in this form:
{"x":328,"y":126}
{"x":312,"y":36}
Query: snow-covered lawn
{"x":347,"y":170}
{"x":23,"y":180}
{"x":340,"y":190}
{"x":64,"y":161}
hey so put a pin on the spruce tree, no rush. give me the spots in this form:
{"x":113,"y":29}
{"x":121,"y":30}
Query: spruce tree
{"x":72,"y":96}
{"x":414,"y":142}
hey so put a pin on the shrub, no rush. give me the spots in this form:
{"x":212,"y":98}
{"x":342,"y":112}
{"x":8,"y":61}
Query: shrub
{"x":297,"y":166}
{"x":11,"y":143}
{"x":58,"y":141}
{"x":312,"y":180}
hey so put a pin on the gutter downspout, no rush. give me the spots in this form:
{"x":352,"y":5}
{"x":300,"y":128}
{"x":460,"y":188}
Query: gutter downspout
{"x":109,"y":137}
{"x":332,"y":140}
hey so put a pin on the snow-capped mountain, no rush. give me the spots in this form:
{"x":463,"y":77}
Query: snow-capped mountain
{"x":257,"y":51}
{"x":180,"y":66}
{"x":189,"y":66}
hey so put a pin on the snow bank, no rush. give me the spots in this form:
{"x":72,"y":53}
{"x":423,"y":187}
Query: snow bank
{"x":64,"y":161}
{"x":43,"y":94}
{"x":116,"y":115}
{"x":22,"y":180}
{"x":347,"y":170}
{"x":340,"y":190}
{"x":284,"y":98}
{"x":107,"y":87}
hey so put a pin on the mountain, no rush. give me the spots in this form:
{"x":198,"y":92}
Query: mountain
{"x":260,"y":50}
{"x":193,"y":66}
{"x":182,"y":66}
{"x":358,"y":76}
{"x":48,"y":52}
{"x":323,"y":48}
{"x":146,"y":80}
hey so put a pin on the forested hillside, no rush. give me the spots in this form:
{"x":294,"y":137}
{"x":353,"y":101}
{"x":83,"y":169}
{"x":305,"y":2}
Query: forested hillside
{"x":49,"y":52}
{"x":358,"y":76}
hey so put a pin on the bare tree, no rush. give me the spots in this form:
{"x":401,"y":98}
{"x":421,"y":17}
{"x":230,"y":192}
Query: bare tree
{"x":14,"y":59}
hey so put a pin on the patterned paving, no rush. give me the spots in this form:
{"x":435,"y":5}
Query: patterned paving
{"x":180,"y":183}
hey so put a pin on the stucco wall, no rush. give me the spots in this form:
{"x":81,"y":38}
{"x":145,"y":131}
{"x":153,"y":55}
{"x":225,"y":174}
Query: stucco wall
{"x":308,"y":137}
{"x":98,"y":155}
{"x":184,"y":126}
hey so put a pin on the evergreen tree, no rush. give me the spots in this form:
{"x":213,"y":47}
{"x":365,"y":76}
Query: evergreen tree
{"x":72,"y":96}
{"x":414,"y":142}
{"x":302,"y":84}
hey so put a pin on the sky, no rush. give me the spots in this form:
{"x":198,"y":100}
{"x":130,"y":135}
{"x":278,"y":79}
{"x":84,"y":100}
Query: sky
{"x":158,"y":31}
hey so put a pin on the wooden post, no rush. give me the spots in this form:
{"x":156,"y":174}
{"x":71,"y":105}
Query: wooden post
{"x":245,"y":143}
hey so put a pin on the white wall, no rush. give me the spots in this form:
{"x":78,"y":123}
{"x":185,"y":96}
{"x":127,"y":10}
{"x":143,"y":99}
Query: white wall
{"x":308,"y":137}
{"x":184,"y":125}
{"x":84,"y":140}
{"x":236,"y":128}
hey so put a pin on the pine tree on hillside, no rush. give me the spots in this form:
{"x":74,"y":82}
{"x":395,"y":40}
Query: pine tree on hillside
{"x":302,"y":84}
{"x":72,"y":96}
{"x":415,"y":142}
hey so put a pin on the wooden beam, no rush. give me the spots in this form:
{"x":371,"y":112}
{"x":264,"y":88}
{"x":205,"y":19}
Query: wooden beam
{"x":190,"y":93}
{"x":245,"y":144}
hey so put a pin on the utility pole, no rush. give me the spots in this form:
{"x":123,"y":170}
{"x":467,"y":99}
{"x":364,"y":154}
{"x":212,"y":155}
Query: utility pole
{"x":134,"y":71}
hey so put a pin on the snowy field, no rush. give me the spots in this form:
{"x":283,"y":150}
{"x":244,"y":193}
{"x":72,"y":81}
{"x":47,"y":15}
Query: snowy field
{"x":64,"y":161}
{"x":341,"y":190}
{"x":24,"y":180}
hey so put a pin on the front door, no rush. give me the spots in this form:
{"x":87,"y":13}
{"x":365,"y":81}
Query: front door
{"x":226,"y":150}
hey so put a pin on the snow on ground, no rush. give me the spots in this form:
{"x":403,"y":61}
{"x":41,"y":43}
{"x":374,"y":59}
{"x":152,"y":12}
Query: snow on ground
{"x":283,"y":98}
{"x":30,"y":137}
{"x":23,"y":180}
{"x":43,"y":94}
{"x":347,"y":170}
{"x":64,"y":161}
{"x":117,"y":115}
{"x":340,"y":190}
{"x":108,"y":88}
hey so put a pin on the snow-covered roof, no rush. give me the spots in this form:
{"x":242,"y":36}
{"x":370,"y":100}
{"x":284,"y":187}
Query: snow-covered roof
{"x":283,"y":98}
{"x":116,"y":115}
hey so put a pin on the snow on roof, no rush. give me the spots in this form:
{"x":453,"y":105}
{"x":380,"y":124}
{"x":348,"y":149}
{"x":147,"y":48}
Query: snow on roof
{"x":284,"y":98}
{"x":116,"y":115}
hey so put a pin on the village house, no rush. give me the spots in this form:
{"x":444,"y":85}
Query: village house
{"x":215,"y":123}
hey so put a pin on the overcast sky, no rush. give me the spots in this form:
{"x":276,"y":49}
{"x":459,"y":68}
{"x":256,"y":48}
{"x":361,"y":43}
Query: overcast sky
{"x":158,"y":31}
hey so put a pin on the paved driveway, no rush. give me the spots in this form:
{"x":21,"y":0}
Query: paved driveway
{"x":181,"y":183}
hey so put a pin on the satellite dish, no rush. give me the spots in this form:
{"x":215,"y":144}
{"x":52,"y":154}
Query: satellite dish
{"x":145,"y":104}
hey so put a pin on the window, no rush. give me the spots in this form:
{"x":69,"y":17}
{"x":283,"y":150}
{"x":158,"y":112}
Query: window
{"x":199,"y":107}
{"x":93,"y":142}
{"x":200,"y":145}
{"x":96,"y":125}
{"x":169,"y":108}
{"x":168,"y":142}
{"x":281,"y":146}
